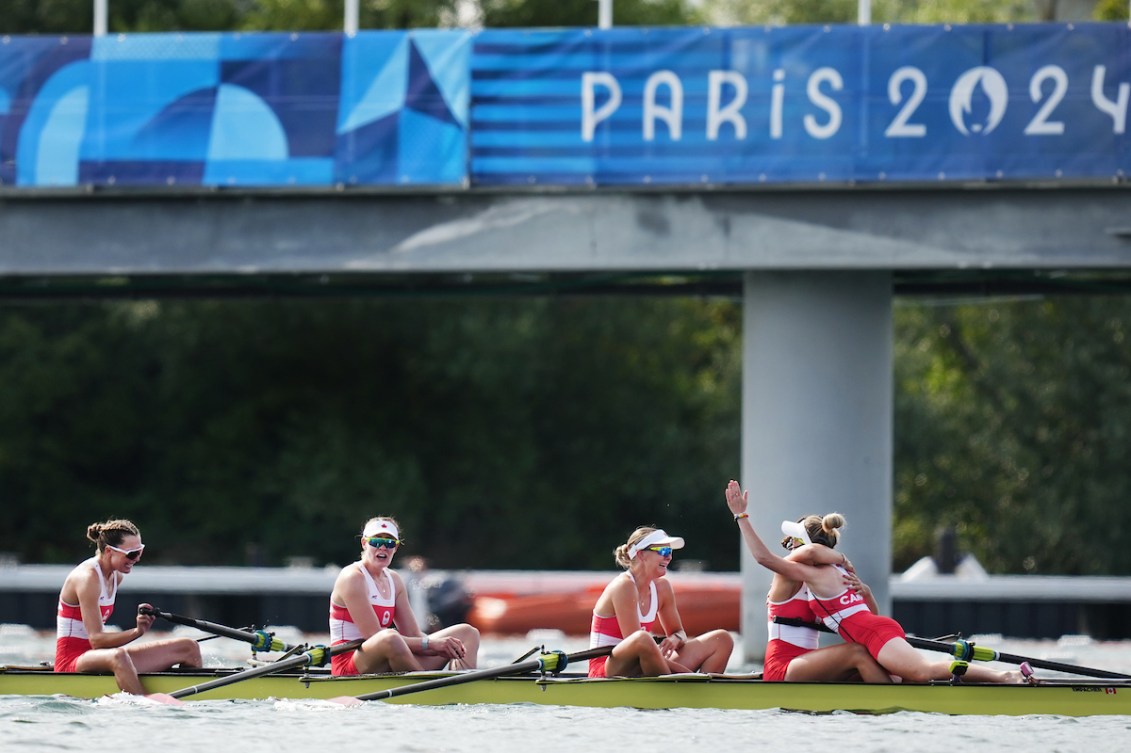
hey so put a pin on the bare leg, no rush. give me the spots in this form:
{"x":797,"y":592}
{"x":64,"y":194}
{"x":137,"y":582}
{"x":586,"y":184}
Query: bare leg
{"x":709,"y":652}
{"x":385,"y":651}
{"x":900,"y":658}
{"x":468,"y":636}
{"x":116,"y":661}
{"x":635,"y":656}
{"x":844,"y":661}
{"x":157,"y":656}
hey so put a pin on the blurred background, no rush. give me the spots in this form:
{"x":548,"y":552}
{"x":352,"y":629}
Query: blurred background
{"x":532,"y":430}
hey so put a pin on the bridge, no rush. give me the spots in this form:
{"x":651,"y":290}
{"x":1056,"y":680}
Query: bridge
{"x":817,"y":172}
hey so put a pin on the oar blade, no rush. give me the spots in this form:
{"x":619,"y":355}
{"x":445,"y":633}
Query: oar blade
{"x":346,"y":700}
{"x":164,"y":699}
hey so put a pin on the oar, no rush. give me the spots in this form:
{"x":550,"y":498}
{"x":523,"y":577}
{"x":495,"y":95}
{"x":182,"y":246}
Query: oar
{"x":552,"y":662}
{"x":260,"y":640}
{"x":316,"y":655}
{"x":965,"y":651}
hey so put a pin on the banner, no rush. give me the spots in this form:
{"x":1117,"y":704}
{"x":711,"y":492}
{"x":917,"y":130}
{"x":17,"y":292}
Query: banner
{"x":804,"y":105}
{"x":701,"y":107}
{"x":385,"y":108}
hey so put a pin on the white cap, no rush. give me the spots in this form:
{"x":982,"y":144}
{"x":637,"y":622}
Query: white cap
{"x":795,"y":530}
{"x":658,"y":537}
{"x":374,"y":527}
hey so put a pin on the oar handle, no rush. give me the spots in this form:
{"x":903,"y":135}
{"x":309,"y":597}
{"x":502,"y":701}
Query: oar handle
{"x":260,"y":640}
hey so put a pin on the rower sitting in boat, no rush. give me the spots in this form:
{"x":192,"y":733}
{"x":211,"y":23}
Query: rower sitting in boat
{"x":370,"y":602}
{"x":86,"y":601}
{"x":845,"y":610}
{"x":793,"y":652}
{"x":630,"y":605}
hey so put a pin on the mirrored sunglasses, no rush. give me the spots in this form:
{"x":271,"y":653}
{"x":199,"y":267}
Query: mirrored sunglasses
{"x":663,"y":551}
{"x":381,"y":541}
{"x":131,"y":554}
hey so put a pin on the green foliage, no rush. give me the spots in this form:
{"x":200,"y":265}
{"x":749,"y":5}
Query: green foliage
{"x":46,"y":17}
{"x":523,"y":13}
{"x":1012,"y":426}
{"x":501,"y":433}
{"x":1111,"y":10}
{"x":75,"y":16}
{"x":781,"y":12}
{"x":328,"y":15}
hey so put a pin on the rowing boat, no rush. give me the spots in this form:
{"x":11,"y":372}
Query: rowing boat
{"x":1062,"y":697}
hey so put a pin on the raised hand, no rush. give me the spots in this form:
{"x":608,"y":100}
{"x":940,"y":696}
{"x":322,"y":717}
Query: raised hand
{"x":737,"y":499}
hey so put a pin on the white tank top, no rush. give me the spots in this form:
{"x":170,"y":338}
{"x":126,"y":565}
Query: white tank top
{"x":342,"y":626}
{"x":68,"y":620}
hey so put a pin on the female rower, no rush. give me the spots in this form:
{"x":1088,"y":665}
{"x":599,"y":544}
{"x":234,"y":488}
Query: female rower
{"x":631,"y":604}
{"x":793,"y":653}
{"x":85,"y":603}
{"x":370,"y":601}
{"x":845,"y":610}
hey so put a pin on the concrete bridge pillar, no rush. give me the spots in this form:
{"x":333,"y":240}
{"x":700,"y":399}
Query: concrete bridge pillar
{"x":816,"y":420}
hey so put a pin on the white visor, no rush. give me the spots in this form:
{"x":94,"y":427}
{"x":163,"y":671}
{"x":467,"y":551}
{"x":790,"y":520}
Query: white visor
{"x":656,"y":538}
{"x":795,"y":530}
{"x":375,"y":527}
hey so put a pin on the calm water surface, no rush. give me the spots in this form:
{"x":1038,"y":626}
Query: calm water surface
{"x":121,"y":723}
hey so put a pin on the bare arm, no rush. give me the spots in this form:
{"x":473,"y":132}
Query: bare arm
{"x":674,"y":634}
{"x":852,"y":580}
{"x":354,"y":596}
{"x":737,"y":501}
{"x":624,"y":607}
{"x":87,"y":589}
{"x":819,"y":554}
{"x":406,"y":622}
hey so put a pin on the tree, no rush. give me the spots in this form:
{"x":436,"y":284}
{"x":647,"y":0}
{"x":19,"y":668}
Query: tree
{"x":1011,"y":425}
{"x":781,"y":12}
{"x":527,"y":432}
{"x":523,"y":13}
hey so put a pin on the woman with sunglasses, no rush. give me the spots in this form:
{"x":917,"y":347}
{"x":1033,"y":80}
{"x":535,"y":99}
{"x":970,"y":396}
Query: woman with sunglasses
{"x":370,"y":602}
{"x":86,"y":602}
{"x":846,"y":611}
{"x":625,"y":616}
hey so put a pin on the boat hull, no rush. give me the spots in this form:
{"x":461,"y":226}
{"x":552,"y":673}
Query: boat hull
{"x":1067,"y":698}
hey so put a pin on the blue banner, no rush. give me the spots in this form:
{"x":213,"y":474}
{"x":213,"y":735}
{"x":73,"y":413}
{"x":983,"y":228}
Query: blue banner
{"x":622,"y":107}
{"x":803,"y":104}
{"x":384,"y":108}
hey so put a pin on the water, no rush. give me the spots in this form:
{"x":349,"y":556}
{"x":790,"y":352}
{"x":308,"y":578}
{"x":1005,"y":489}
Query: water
{"x":121,"y":722}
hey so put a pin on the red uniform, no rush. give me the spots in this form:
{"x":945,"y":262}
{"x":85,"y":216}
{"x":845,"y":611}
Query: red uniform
{"x":787,"y":642}
{"x":850,"y":617}
{"x":605,"y":631}
{"x":343,"y":629}
{"x":71,"y":638}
